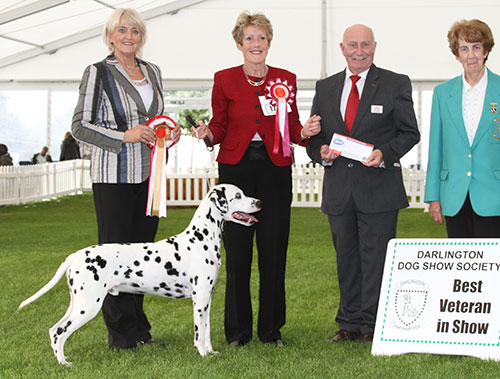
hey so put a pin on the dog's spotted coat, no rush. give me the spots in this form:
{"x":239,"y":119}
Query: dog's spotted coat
{"x":185,"y":265}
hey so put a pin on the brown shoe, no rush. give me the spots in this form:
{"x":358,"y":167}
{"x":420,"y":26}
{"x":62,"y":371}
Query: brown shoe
{"x":367,"y":337}
{"x":344,"y":335}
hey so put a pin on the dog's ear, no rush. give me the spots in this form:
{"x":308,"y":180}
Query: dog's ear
{"x":218,"y":197}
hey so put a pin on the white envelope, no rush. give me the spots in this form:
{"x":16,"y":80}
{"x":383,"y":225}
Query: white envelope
{"x":350,"y":148}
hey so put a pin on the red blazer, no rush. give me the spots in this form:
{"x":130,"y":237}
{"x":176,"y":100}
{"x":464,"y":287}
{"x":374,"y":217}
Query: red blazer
{"x":237,"y":115}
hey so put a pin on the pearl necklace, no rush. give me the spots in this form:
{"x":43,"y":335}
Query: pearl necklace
{"x":252,"y":82}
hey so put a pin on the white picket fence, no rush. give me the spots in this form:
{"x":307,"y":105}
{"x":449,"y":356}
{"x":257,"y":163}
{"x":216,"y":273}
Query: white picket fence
{"x":23,"y":184}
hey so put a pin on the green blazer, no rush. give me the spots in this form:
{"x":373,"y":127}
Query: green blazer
{"x":455,"y":168}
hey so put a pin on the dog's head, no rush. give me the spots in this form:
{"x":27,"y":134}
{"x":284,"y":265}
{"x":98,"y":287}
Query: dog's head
{"x":233,"y":205}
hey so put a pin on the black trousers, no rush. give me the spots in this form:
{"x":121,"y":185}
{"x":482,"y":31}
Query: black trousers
{"x":468,"y":224}
{"x":121,"y":218}
{"x":360,"y":240}
{"x":258,"y":177}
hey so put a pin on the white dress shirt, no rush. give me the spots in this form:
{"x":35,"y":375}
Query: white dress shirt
{"x":347,"y":88}
{"x":472,"y":104}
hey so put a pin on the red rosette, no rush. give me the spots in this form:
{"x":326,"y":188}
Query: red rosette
{"x":280,"y":90}
{"x":163,"y":126}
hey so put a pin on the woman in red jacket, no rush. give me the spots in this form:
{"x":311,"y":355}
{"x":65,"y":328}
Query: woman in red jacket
{"x":255,"y":155}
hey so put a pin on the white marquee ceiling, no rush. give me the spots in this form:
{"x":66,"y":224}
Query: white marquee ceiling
{"x":53,"y":40}
{"x":32,"y":28}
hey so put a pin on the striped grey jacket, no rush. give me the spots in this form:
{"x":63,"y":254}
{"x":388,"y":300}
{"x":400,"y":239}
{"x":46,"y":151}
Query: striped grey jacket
{"x":108,"y":106}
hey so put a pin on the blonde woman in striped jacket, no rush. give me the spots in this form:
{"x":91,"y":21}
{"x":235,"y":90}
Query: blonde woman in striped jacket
{"x":117,"y":97}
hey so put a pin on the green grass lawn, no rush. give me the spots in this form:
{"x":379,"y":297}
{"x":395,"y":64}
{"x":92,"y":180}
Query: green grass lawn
{"x":36,"y":238}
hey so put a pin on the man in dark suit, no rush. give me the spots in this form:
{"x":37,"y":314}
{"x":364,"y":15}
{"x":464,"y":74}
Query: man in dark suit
{"x":362,"y":199}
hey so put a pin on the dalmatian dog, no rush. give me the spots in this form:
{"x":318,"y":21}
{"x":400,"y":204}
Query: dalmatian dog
{"x":182,"y":266}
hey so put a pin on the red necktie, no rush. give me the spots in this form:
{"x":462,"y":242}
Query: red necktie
{"x":352,"y":104}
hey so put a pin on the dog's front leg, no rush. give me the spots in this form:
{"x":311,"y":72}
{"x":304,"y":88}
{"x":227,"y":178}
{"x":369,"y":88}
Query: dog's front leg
{"x":201,"y":307}
{"x":208,"y":341}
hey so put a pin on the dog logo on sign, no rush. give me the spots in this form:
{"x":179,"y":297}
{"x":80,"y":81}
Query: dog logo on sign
{"x":410,"y":302}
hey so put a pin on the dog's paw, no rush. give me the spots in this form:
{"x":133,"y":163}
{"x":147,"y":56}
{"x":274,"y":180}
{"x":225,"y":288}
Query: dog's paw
{"x":64,"y":362}
{"x":201,"y":351}
{"x":210,"y":349}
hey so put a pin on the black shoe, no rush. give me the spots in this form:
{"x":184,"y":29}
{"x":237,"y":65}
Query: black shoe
{"x":237,"y":343}
{"x":151,"y":342}
{"x":123,"y":347}
{"x":278,"y":342}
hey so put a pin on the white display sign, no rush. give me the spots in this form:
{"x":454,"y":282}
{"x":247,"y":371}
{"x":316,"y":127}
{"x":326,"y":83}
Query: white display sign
{"x":440,"y":296}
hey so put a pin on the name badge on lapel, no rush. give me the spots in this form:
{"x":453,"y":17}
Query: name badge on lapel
{"x":378,"y":109}
{"x":268,"y":108}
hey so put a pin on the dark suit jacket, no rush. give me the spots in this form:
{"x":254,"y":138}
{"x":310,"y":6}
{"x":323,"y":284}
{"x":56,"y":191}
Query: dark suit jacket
{"x":394,"y":132}
{"x":237,"y":115}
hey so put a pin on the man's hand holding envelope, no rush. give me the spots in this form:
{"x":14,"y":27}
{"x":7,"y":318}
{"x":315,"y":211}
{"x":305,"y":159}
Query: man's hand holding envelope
{"x":353,"y":149}
{"x":350,"y":148}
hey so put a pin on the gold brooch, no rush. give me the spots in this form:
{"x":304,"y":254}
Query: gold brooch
{"x":494,"y":108}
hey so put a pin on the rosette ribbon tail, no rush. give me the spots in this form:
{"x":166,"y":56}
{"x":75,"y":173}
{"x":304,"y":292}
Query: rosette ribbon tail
{"x":157,"y":193}
{"x":277,"y":136}
{"x":281,"y":128}
{"x":281,"y":94}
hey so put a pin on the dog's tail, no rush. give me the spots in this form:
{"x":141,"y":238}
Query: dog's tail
{"x":59,"y":273}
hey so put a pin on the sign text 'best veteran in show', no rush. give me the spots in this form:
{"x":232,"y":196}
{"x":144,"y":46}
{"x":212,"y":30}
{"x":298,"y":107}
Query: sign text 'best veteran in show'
{"x":440,"y":296}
